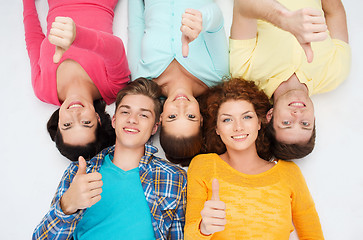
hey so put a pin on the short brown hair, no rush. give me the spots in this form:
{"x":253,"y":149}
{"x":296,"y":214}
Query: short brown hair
{"x":287,"y":151}
{"x":234,"y":89}
{"x":142,"y":86}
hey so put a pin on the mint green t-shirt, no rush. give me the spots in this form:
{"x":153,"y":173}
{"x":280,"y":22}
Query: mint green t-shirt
{"x":122,"y":212}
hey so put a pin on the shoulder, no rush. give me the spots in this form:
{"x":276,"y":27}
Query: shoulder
{"x":167,"y":167}
{"x":290,"y":172}
{"x":203,"y":164}
{"x":101,"y":155}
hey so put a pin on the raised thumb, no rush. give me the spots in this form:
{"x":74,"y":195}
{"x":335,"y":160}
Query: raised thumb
{"x":185,"y":46}
{"x":82,"y":166}
{"x":308,"y":51}
{"x":58,"y":54}
{"x":215,"y":190}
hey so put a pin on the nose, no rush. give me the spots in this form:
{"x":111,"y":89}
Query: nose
{"x":296,"y":113}
{"x":132,"y":118}
{"x":238,"y":126}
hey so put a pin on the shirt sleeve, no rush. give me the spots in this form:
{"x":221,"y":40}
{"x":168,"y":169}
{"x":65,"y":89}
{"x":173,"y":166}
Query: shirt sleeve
{"x":136,"y":29}
{"x":34,"y":37}
{"x":106,"y":45}
{"x":304,"y":215}
{"x":56,"y":224}
{"x":212,"y":18}
{"x":177,"y":226}
{"x":197,"y":196}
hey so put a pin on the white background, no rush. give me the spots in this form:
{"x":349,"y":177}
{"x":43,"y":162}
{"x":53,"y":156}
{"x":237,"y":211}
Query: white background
{"x":31,"y":166}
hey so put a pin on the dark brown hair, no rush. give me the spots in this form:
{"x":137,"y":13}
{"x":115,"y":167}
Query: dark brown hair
{"x":286,"y":151}
{"x":180,"y":150}
{"x":142,"y":86}
{"x":105,"y":135}
{"x":234,"y":89}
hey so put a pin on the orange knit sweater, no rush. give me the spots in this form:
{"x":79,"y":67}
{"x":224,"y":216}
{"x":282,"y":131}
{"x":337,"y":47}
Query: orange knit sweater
{"x":262,"y":206}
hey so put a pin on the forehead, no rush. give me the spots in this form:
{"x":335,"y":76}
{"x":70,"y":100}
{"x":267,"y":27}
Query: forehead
{"x":138,"y":102}
{"x":235,"y":107}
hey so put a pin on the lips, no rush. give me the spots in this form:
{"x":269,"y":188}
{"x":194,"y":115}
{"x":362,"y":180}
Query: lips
{"x":181,"y":97}
{"x":297,"y":104}
{"x":75,"y":105}
{"x":131,"y":130}
{"x":240,"y":137}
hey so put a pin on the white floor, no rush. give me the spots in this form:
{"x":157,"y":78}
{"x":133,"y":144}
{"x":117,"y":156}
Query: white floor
{"x":32,"y":167}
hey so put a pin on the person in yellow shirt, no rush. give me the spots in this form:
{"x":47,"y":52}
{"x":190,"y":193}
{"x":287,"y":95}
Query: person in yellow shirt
{"x":238,"y":192}
{"x":298,"y":49}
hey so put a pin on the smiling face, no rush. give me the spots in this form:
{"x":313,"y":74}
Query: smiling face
{"x":181,"y":115}
{"x":238,"y":125}
{"x":77,"y":121}
{"x":293,"y":116}
{"x":134,"y":121}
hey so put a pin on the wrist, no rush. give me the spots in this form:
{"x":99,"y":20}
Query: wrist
{"x":65,"y":206}
{"x":202,"y":229}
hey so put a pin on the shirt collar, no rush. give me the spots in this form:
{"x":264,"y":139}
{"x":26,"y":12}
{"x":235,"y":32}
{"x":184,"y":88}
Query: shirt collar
{"x":150,"y":150}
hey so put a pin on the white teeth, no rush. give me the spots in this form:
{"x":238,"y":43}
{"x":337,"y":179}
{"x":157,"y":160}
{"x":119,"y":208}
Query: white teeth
{"x":240,"y":136}
{"x":181,"y":97}
{"x":75,"y":106}
{"x":297,"y":104}
{"x":131,"y":130}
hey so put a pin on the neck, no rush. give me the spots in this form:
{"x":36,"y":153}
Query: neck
{"x":79,"y":88}
{"x":291,"y":84}
{"x":246,"y":161}
{"x":127,"y":158}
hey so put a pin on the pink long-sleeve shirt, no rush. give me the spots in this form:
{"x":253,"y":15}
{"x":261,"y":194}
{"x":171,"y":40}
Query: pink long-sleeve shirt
{"x":100,"y":53}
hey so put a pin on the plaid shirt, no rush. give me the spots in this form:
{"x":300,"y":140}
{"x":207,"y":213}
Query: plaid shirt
{"x":164,"y":187}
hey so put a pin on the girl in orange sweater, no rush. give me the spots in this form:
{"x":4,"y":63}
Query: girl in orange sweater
{"x":238,"y":192}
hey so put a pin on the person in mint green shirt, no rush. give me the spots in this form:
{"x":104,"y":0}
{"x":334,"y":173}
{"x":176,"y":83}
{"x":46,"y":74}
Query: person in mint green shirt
{"x":182,"y":46}
{"x":124,"y":192}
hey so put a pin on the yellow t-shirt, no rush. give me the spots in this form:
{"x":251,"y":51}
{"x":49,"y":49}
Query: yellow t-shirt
{"x":261,"y":206}
{"x":274,"y":55}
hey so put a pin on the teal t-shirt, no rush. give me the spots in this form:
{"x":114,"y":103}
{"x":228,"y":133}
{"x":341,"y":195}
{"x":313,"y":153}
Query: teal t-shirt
{"x":122,"y":212}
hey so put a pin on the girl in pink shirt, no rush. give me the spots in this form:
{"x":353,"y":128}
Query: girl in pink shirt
{"x":80,"y":66}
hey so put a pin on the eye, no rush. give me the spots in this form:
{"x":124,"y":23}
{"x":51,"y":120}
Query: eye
{"x":247,"y":117}
{"x":67,"y":124}
{"x":124,"y":112}
{"x":191,"y":116}
{"x":86,"y":122}
{"x":226,"y":120}
{"x":286,"y":123}
{"x":172,"y":116}
{"x":306,"y":124}
{"x":144,"y":116}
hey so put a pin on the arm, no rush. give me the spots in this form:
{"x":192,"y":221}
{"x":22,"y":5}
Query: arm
{"x":56,"y":223}
{"x":177,"y":226}
{"x":307,"y":25}
{"x":77,"y":191}
{"x":207,"y":19}
{"x":65,"y":32}
{"x":336,"y":19}
{"x":135,"y":32}
{"x":304,"y":215}
{"x":34,"y":37}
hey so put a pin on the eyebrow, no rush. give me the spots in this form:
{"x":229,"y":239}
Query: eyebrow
{"x":229,"y":115}
{"x":141,"y":109}
{"x":86,"y":126}
{"x":189,"y":119}
{"x":288,"y":127}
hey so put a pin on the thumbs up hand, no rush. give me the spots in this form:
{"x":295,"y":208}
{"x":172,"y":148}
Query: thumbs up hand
{"x":213,"y":213}
{"x":84,"y":191}
{"x":192,"y":23}
{"x":62,"y":35}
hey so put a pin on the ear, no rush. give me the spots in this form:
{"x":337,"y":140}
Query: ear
{"x":155,"y":128}
{"x":217,"y":131}
{"x":114,"y":122}
{"x":201,"y":120}
{"x":269,"y":114}
{"x":98,"y":119}
{"x":259,"y":124}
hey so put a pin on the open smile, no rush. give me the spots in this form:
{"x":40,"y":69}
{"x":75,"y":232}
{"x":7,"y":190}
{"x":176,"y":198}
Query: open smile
{"x":75,"y":105}
{"x":181,"y":97}
{"x":241,"y":137}
{"x":297,"y":104}
{"x":130,"y":130}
